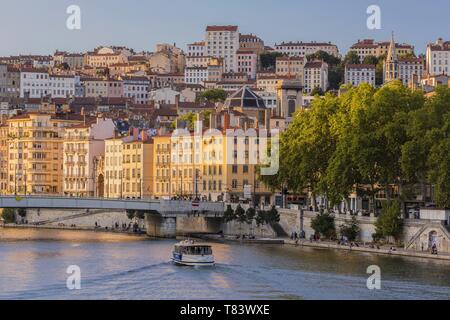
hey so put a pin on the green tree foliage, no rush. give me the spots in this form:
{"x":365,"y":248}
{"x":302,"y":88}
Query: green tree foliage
{"x":323,"y":224}
{"x":351,"y":58}
{"x":272,"y":216}
{"x":240,"y":214}
{"x":368,"y":140}
{"x":425,"y":156}
{"x":370,"y":60}
{"x":390,"y":222}
{"x":8,"y":215}
{"x":379,"y":70}
{"x":250,"y":215}
{"x":350,"y":229}
{"x":229,"y":214}
{"x":269,"y":60}
{"x":213,"y":95}
{"x":260,"y":218}
{"x":317,"y":91}
{"x":131,"y":214}
{"x":140,"y":214}
{"x":305,"y":149}
{"x":22,"y":212}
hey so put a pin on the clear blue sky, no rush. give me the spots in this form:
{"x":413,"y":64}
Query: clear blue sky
{"x":38,"y":26}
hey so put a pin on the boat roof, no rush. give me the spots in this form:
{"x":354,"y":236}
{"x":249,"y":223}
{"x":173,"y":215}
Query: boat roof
{"x":182,"y":244}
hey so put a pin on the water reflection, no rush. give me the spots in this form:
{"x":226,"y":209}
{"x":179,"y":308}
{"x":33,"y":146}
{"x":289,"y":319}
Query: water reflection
{"x":141,"y":270}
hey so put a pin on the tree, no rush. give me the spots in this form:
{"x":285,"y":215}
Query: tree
{"x":373,"y":60}
{"x":8,"y":215}
{"x":260,"y":218}
{"x":317,"y":91}
{"x":131,"y":214}
{"x":229,"y":214}
{"x":241,"y":217}
{"x":351,"y":58}
{"x":323,"y":224}
{"x":268,"y":60}
{"x":22,"y":212}
{"x":214,"y":95}
{"x":305,"y":149}
{"x":240,"y":214}
{"x":379,"y":70}
{"x":350,"y":229}
{"x":140,"y":214}
{"x":390,"y":223}
{"x":250,"y":215}
{"x":272,"y":216}
{"x":188,"y":118}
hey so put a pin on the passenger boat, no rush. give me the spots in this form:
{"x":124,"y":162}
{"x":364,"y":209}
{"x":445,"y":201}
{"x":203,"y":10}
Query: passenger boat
{"x":189,"y":253}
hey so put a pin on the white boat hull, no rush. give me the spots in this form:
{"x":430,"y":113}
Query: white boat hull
{"x":193,"y":261}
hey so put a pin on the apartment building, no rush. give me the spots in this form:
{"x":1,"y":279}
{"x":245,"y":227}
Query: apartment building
{"x":223,"y":42}
{"x":316,"y":76}
{"x":136,"y":88}
{"x":82,"y":145}
{"x":247,"y":62}
{"x":104,"y":57}
{"x":4,"y":147}
{"x":196,"y":49}
{"x":9,"y":81}
{"x":137,"y":165}
{"x":438,"y":58}
{"x":290,"y":66}
{"x":303,"y":49}
{"x":113,"y":167}
{"x":251,"y":42}
{"x":94,"y":87}
{"x":355,"y":74}
{"x":162,"y":167}
{"x":35,"y":154}
{"x":369,"y":47}
{"x":34,"y":82}
{"x":410,"y":68}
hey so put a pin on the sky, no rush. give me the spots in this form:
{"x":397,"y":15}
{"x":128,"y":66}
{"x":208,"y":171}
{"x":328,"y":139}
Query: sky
{"x":39,"y":26}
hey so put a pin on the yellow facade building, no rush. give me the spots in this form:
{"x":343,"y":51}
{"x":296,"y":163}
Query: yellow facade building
{"x":35,"y":152}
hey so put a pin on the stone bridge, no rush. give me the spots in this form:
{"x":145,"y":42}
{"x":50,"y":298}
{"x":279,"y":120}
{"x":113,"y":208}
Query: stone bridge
{"x":162,"y":217}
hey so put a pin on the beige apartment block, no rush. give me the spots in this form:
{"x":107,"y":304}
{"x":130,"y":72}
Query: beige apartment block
{"x":3,"y":159}
{"x":35,"y":154}
{"x":137,"y":163}
{"x":83,"y":144}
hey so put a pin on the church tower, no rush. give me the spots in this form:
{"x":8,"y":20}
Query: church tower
{"x":391,"y":68}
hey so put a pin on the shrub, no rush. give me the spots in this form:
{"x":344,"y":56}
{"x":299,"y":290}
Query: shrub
{"x":350,"y":229}
{"x":324,"y":225}
{"x":390,"y":222}
{"x":8,"y":215}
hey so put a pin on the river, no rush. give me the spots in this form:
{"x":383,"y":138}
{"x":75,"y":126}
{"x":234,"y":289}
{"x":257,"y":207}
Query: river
{"x":119,"y":268}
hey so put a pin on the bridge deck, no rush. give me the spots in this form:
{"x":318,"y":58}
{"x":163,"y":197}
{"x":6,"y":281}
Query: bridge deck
{"x":164,"y":207}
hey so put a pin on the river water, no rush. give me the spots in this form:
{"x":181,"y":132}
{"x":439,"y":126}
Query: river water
{"x":141,"y":269}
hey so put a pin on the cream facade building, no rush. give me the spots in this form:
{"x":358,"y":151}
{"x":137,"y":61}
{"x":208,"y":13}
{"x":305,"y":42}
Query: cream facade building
{"x":82,"y":145}
{"x":35,"y":154}
{"x":438,"y":58}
